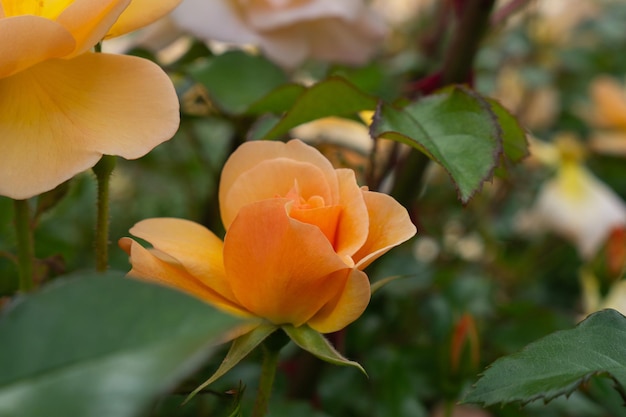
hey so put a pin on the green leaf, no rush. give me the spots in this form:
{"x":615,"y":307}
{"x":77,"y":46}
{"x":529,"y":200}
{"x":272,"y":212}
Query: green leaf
{"x":235,"y":80}
{"x":262,"y":126}
{"x":456,"y":128}
{"x":557,"y":364}
{"x":239,"y":349}
{"x":331,"y":97}
{"x":514,"y":141}
{"x":101,"y":345}
{"x":316,"y":344}
{"x":278,"y":100}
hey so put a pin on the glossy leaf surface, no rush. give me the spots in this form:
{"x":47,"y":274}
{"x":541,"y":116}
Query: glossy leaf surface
{"x":558,"y":364}
{"x":101,"y":345}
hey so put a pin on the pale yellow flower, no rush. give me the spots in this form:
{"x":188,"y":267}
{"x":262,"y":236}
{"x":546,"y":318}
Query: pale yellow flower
{"x":615,"y":298}
{"x":574,"y":203}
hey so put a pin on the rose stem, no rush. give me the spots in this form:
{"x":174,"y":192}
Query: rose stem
{"x":25,"y":245}
{"x":271,"y":350}
{"x":103,"y":170}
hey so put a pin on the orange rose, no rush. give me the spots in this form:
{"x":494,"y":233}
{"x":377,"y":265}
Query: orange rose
{"x":299,"y":233}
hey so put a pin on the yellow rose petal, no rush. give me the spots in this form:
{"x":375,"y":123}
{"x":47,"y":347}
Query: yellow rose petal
{"x":141,"y":13}
{"x":29,"y":40}
{"x":89,"y":20}
{"x":46,"y":9}
{"x":57,"y":118}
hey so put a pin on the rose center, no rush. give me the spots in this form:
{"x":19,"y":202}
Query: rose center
{"x":313,"y":210}
{"x":49,"y":9}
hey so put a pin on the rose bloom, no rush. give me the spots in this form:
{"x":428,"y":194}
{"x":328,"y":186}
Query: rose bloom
{"x":298,"y":235}
{"x":288,"y":31}
{"x":61,"y":105}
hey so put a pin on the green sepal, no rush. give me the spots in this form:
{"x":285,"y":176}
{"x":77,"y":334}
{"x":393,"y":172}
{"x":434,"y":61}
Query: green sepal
{"x":316,"y":344}
{"x":376,"y":286}
{"x":50,"y":199}
{"x":239,"y":349}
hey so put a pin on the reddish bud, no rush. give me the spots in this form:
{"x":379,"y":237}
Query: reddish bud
{"x":616,"y":251}
{"x":464,"y":336}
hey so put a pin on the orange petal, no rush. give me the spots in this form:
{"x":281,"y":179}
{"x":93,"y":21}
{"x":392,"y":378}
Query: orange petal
{"x":272,"y":178}
{"x":353,"y":227}
{"x":279,"y":268}
{"x":194,"y":246}
{"x":89,"y":20}
{"x":326,"y":218}
{"x":29,"y":40}
{"x":346,"y":307}
{"x":389,"y":226}
{"x":141,"y":13}
{"x":251,"y":154}
{"x":146,"y":265}
{"x":57,"y":118}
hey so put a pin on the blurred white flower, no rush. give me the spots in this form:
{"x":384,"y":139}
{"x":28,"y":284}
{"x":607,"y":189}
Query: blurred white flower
{"x":471,"y":248}
{"x":288,"y":31}
{"x":580,"y":207}
{"x":339,"y":131}
{"x":426,"y":249}
{"x":576,"y":204}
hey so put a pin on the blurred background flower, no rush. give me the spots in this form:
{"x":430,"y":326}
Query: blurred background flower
{"x":288,"y":31}
{"x":607,"y":115}
{"x":574,"y":203}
